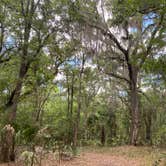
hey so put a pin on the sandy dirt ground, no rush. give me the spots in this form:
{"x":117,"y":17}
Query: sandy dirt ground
{"x":98,"y":158}
{"x":88,"y":159}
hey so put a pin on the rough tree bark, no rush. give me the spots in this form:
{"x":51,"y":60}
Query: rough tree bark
{"x":134,"y":103}
{"x":25,"y":62}
{"x":7,"y":144}
{"x":11,"y":106}
{"x":7,"y":151}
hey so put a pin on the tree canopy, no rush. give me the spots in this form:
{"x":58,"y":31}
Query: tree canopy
{"x":84,"y":72}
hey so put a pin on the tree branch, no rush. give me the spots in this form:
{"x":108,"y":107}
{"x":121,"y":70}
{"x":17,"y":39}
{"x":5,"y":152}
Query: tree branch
{"x":150,"y":44}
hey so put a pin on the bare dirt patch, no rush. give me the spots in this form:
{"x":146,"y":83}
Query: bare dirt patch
{"x":96,"y":159}
{"x":119,"y":156}
{"x":88,"y":159}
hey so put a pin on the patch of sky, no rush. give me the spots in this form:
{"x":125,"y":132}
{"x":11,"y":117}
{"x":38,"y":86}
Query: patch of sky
{"x":10,"y":42}
{"x":123,"y":93}
{"x":152,"y":79}
{"x":60,"y":86}
{"x":133,"y":29}
{"x":148,"y":19}
{"x":73,"y":62}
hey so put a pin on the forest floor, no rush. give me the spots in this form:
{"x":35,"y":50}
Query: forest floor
{"x":113,"y":156}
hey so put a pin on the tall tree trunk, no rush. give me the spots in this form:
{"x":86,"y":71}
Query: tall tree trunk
{"x":72,"y":96}
{"x":24,"y":65}
{"x":135,"y":112}
{"x":76,"y":127}
{"x":77,"y":123}
{"x":11,"y":106}
{"x":68,"y":95}
{"x":71,"y":108}
{"x":13,"y":101}
{"x":70,"y":100}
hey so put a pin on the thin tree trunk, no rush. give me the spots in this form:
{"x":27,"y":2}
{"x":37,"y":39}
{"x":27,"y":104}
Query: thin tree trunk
{"x":70,"y":95}
{"x":76,"y":128}
{"x":103,"y":135}
{"x":148,"y":123}
{"x":77,"y":123}
{"x":71,"y":108}
{"x":135,"y":112}
{"x":40,"y":105}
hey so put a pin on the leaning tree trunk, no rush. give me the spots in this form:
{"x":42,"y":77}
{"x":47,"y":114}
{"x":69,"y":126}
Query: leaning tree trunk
{"x":7,"y":144}
{"x":11,"y":106}
{"x":7,"y":152}
{"x":134,"y":103}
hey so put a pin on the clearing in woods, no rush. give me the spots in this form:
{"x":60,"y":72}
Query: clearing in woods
{"x":116,"y":156}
